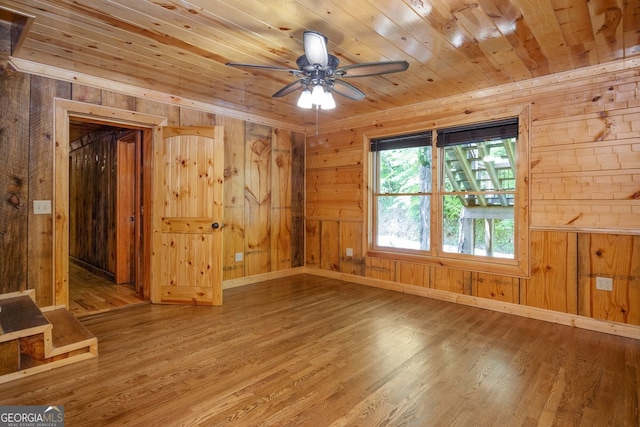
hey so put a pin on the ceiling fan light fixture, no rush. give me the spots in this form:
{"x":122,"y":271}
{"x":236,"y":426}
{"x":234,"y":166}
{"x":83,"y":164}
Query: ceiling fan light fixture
{"x":317,"y":95}
{"x":305,"y":99}
{"x":328,"y":103}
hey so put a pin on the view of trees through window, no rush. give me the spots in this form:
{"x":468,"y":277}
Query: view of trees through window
{"x":404,"y":202}
{"x":475,"y":197}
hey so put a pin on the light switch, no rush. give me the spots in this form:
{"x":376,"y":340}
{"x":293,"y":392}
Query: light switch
{"x":41,"y":207}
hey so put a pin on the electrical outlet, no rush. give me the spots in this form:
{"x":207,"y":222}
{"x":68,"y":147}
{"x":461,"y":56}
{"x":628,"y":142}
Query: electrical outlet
{"x":41,"y":207}
{"x":238,"y":256}
{"x":604,"y":283}
{"x":349,"y":251}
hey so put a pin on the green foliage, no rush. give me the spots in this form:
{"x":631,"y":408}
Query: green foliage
{"x":451,"y":209}
{"x":399,"y":169}
{"x":503,"y":236}
{"x":404,"y":172}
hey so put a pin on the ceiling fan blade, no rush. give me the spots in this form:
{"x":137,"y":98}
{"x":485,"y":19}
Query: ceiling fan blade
{"x":262,"y":67}
{"x":348,"y":90}
{"x":291,"y":87}
{"x":372,"y":69}
{"x":315,"y":48}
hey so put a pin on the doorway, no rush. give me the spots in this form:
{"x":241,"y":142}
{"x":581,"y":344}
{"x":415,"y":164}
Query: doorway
{"x":67,"y":112}
{"x":105,"y":200}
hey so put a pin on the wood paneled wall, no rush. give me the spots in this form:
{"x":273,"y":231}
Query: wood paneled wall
{"x":14,"y":180}
{"x":92,"y":201}
{"x":617,"y":257}
{"x":265,"y":182}
{"x":584,"y":172}
{"x":585,"y":155}
{"x":263,"y":198}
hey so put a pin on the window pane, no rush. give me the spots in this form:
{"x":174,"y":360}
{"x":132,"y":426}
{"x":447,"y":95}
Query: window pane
{"x":403,"y":222}
{"x":405,"y":170}
{"x":483,"y":166}
{"x":484,"y":230}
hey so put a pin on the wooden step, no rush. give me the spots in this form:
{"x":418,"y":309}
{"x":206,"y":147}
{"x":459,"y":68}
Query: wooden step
{"x":34,"y":340}
{"x":20,"y":316}
{"x":68,"y":334}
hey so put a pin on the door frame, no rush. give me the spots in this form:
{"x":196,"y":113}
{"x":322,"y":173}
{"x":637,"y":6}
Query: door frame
{"x":64,"y":111}
{"x":128,"y":203}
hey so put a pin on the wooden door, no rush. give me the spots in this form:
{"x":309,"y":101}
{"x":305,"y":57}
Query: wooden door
{"x":186,"y":257}
{"x":126,"y":202}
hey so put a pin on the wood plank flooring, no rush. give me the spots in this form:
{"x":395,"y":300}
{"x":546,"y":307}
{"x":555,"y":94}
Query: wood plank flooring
{"x":91,"y":294}
{"x":312,"y":351}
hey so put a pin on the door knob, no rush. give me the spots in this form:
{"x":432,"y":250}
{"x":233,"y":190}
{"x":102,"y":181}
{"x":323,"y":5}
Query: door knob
{"x":215,"y":225}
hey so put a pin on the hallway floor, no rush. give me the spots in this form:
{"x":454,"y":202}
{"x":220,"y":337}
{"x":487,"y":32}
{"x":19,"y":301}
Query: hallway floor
{"x":91,"y":294}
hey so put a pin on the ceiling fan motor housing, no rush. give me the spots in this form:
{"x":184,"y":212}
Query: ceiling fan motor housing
{"x":303,"y":63}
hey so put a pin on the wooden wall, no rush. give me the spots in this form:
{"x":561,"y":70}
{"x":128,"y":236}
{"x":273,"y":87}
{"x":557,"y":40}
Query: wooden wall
{"x":263,"y":198}
{"x":14,"y":181}
{"x":264,"y":182}
{"x":92,"y":201}
{"x":584,"y":201}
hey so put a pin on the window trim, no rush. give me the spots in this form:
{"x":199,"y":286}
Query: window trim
{"x":408,"y":140}
{"x":519,"y":265}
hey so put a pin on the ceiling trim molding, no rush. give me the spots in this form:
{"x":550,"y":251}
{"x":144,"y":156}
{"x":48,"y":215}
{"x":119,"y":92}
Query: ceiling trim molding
{"x":36,"y":68}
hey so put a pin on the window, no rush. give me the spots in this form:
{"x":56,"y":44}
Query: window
{"x":402,"y":192}
{"x":478,"y":188}
{"x":464,"y":210}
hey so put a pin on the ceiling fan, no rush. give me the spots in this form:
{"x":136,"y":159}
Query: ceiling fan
{"x":318,"y":74}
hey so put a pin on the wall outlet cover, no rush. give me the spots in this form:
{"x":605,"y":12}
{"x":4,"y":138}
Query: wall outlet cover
{"x":604,"y":283}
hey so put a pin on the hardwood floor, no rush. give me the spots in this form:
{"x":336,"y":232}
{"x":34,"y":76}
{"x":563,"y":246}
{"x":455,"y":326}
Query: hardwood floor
{"x":313,"y":351}
{"x":91,"y":294}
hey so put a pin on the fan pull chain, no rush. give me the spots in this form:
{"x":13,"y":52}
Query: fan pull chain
{"x":317,"y":115}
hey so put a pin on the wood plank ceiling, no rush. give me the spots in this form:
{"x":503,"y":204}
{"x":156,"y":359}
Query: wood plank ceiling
{"x":180,"y":47}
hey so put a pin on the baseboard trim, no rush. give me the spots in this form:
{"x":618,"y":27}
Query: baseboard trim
{"x":249,"y":280}
{"x":567,"y":319}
